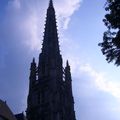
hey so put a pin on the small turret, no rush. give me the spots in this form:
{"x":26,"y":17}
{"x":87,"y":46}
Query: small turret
{"x":67,"y":73}
{"x":32,"y":77}
{"x":33,"y":60}
{"x":70,"y":113}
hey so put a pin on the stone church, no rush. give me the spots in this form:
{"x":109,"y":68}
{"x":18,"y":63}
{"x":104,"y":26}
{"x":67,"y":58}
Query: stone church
{"x":50,"y":85}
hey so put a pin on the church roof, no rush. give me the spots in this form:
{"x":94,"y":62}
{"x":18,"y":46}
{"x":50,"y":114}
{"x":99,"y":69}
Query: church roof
{"x":5,"y":111}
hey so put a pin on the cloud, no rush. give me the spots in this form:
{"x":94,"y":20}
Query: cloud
{"x":96,"y":97}
{"x":101,"y":81}
{"x":64,"y":13}
{"x":29,"y":17}
{"x":98,"y":79}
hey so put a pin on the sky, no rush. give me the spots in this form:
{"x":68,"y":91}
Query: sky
{"x":96,"y":84}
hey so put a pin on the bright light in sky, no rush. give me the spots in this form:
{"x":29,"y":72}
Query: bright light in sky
{"x":96,"y":84}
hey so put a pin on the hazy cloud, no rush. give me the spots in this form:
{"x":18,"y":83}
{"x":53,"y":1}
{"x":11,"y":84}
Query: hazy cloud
{"x":99,"y":79}
{"x":65,"y":10}
{"x":29,"y":16}
{"x":102,"y":82}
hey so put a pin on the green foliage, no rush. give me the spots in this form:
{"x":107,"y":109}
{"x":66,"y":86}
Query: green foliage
{"x":111,"y":38}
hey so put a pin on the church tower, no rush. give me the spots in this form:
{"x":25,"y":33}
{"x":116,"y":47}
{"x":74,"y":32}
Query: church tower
{"x":50,"y":88}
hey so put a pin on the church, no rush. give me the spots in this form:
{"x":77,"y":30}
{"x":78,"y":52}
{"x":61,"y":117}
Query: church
{"x":50,"y":94}
{"x":50,"y":85}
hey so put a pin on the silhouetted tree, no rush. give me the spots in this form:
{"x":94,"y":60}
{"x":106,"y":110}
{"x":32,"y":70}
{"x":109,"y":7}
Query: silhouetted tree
{"x":111,"y":38}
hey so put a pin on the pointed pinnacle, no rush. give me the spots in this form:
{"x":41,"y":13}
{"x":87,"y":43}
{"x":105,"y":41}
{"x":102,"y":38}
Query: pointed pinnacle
{"x":67,"y":63}
{"x":33,"y":60}
{"x":51,"y":3}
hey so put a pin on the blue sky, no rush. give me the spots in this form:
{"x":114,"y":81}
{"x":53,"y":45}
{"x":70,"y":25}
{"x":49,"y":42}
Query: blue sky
{"x":96,"y":85}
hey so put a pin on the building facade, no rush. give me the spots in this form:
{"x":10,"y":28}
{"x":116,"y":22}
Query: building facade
{"x":50,"y":85}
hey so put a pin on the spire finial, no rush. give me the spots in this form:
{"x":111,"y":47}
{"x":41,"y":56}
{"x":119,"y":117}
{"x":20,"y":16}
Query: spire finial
{"x":33,"y":60}
{"x":67,"y":63}
{"x":51,"y":3}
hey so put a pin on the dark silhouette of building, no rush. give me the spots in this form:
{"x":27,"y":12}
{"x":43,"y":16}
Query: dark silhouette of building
{"x":5,"y":112}
{"x":50,"y":88}
{"x":20,"y":116}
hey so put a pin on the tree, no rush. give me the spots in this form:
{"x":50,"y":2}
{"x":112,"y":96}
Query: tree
{"x":111,"y":38}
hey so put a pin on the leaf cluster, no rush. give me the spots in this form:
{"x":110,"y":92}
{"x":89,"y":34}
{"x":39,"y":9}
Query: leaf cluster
{"x":111,"y":37}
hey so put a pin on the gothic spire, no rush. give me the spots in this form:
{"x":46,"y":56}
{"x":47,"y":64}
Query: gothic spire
{"x":50,"y":84}
{"x":50,"y":40}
